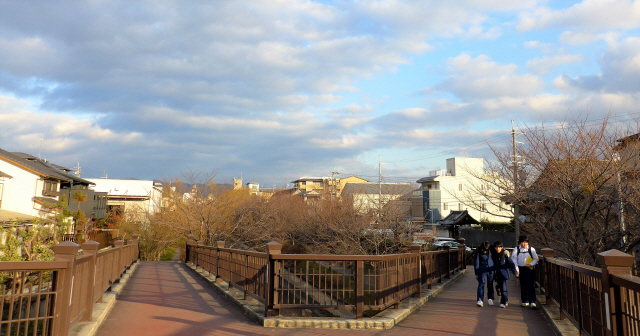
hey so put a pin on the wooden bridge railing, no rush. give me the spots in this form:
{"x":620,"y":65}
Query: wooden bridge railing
{"x":310,"y":281}
{"x":48,"y":297}
{"x":602,"y":300}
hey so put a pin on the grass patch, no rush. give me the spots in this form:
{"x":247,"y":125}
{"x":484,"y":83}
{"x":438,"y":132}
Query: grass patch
{"x":168,"y":254}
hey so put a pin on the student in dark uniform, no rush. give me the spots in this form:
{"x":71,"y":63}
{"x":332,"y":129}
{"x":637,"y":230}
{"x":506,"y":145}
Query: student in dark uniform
{"x":483,"y":267}
{"x":503,"y":265}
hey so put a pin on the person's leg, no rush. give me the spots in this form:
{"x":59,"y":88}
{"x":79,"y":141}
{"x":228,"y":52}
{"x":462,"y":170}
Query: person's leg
{"x":531,"y":286}
{"x":490,"y":295}
{"x":523,"y":285}
{"x":481,"y":283}
{"x":504,"y":299}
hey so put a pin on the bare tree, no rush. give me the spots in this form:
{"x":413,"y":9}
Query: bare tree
{"x":568,"y":188}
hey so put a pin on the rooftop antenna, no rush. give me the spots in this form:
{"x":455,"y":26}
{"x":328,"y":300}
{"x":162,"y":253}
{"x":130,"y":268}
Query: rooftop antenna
{"x":105,"y":174}
{"x":40,"y":149}
{"x":78,"y":170}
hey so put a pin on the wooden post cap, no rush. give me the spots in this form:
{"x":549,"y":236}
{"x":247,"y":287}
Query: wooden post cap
{"x":220,"y":243}
{"x":548,"y":253}
{"x":273,"y":247}
{"x":615,"y":258}
{"x":118,"y":243}
{"x":66,"y":248}
{"x":461,"y":240}
{"x":416,"y":248}
{"x":90,"y":245}
{"x":135,"y":236}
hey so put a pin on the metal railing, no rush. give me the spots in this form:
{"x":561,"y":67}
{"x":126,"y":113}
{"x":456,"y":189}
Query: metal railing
{"x":326,"y":282}
{"x":597,"y":300}
{"x":48,"y":297}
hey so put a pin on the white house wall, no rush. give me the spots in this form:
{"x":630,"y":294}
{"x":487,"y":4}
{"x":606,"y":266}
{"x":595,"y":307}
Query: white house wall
{"x":19,"y":191}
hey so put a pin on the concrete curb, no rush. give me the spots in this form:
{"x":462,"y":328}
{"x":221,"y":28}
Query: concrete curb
{"x":101,"y":310}
{"x":387,"y":319}
{"x":552,"y":314}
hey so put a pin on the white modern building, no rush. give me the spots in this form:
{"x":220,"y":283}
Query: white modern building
{"x":139,"y":197}
{"x":463,"y":185}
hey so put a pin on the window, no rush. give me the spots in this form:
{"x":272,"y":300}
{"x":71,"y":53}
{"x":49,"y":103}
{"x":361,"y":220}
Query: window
{"x":445,"y":206}
{"x":50,"y":188}
{"x":460,"y":187}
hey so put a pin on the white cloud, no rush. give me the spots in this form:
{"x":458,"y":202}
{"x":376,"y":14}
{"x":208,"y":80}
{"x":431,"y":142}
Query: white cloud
{"x":543,"y":66}
{"x":544,"y":47}
{"x":585,"y":38}
{"x":588,"y":15}
{"x":480,"y":78}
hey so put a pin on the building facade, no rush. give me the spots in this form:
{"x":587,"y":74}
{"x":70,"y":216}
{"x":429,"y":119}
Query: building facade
{"x":462,"y":186}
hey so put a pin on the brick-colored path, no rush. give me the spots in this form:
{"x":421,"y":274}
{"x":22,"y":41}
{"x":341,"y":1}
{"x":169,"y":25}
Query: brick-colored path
{"x":166,"y":299}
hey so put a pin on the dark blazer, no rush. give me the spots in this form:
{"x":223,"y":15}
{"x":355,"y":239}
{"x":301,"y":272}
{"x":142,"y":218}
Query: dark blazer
{"x":476,"y":264}
{"x":503,"y":264}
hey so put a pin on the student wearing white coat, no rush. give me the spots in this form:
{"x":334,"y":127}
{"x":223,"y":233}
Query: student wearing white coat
{"x":525,"y":258}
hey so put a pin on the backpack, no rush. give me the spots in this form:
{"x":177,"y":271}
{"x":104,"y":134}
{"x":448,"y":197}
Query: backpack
{"x":529,"y":251}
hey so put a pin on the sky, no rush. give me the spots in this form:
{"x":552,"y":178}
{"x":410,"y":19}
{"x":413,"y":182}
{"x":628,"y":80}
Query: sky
{"x":277,"y":90}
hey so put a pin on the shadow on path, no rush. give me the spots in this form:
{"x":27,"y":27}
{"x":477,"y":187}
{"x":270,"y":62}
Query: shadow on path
{"x":165,"y":298}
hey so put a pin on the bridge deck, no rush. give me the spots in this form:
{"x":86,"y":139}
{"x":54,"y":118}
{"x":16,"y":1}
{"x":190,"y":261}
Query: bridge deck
{"x":164,"y":298}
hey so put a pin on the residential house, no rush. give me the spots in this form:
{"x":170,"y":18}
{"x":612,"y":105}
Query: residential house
{"x":370,"y":196}
{"x":254,"y":188}
{"x":310,"y":187}
{"x":629,"y":151}
{"x":28,"y":183}
{"x":134,"y":197}
{"x":462,"y":186}
{"x":315,"y":187}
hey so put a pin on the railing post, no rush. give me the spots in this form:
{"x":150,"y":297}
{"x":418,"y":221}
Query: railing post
{"x":220,"y":245}
{"x":198,"y":254}
{"x":463,"y":256}
{"x":448,"y":249}
{"x":614,"y":262}
{"x":132,"y":245}
{"x":273,"y":248}
{"x":118,"y":244}
{"x":137,"y":244}
{"x":416,"y":249}
{"x":360,"y":289}
{"x":64,"y":252}
{"x":190,"y":240}
{"x":90,"y":248}
{"x":547,"y":253}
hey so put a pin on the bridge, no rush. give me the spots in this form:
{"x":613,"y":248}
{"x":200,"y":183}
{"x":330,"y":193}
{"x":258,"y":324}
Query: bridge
{"x":74,"y":295}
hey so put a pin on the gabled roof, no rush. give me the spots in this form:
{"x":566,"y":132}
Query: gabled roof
{"x":375,"y":188}
{"x":458,"y":218}
{"x":623,"y":142}
{"x":40,"y":167}
{"x":307,"y":178}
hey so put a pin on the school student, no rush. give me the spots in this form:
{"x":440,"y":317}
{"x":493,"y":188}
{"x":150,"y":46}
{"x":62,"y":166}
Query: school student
{"x":525,"y":258}
{"x":503,"y":265}
{"x":483,"y":267}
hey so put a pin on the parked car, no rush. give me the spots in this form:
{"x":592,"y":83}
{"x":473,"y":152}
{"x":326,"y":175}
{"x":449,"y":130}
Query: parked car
{"x":454,"y":245}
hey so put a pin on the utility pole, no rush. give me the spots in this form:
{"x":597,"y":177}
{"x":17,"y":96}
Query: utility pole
{"x":516,"y":161}
{"x":334,"y":189}
{"x":623,"y":238}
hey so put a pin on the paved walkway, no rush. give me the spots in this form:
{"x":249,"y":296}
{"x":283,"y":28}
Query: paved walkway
{"x":164,"y":298}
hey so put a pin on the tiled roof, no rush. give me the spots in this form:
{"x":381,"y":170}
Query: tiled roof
{"x":41,"y":167}
{"x":458,"y":218}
